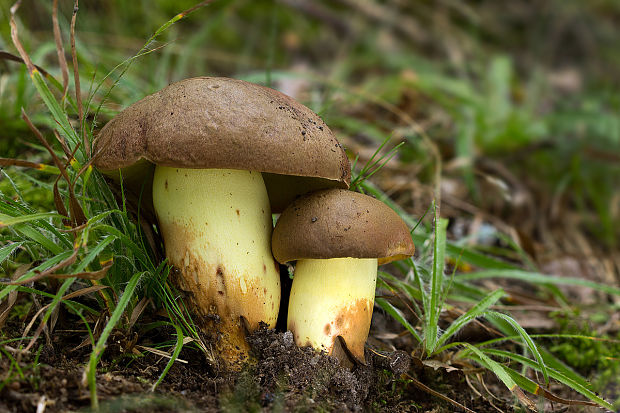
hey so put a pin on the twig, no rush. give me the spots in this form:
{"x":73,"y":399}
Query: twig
{"x":76,"y":80}
{"x":77,"y":213}
{"x":42,"y":404}
{"x":60,"y":50}
{"x":77,"y":293}
{"x":432,"y":392}
{"x":15,"y":38}
{"x":160,"y":353}
{"x":62,"y":264}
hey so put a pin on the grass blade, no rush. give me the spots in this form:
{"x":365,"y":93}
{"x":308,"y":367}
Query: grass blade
{"x":7,"y":250}
{"x":43,"y":267}
{"x":432,"y":318}
{"x":569,"y":380}
{"x":526,"y":339}
{"x":64,"y":127}
{"x":533,"y":387}
{"x":453,"y":250}
{"x":475,"y":311}
{"x":175,"y":355}
{"x":501,"y":374}
{"x":84,"y":262}
{"x":7,"y":221}
{"x":537,"y":278}
{"x":95,"y":355}
{"x":398,"y":316}
{"x":28,"y":232}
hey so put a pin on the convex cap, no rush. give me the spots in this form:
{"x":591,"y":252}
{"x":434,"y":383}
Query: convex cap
{"x":210,"y":122}
{"x":338,"y":223}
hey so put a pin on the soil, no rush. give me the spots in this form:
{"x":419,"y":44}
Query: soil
{"x":282,"y":378}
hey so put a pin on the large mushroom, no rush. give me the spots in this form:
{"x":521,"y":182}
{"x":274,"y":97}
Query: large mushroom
{"x":338,"y":237}
{"x":220,"y":154}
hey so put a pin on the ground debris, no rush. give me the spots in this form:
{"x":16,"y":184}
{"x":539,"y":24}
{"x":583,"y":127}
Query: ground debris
{"x":282,"y":377}
{"x":300,"y":377}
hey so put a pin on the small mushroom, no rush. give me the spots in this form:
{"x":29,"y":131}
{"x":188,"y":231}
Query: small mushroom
{"x":338,"y":238}
{"x":219,"y":154}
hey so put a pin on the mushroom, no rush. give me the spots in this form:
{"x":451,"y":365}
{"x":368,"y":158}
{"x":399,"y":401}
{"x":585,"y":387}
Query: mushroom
{"x":338,"y":238}
{"x":219,"y":154}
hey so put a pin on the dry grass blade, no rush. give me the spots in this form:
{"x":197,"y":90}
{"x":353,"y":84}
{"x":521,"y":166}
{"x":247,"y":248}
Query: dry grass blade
{"x":74,"y":229}
{"x":15,"y":38}
{"x":399,"y":295}
{"x":194,"y":8}
{"x":6,"y":307}
{"x":42,"y":404}
{"x":520,"y":394}
{"x":484,"y":386}
{"x":63,"y":264}
{"x":77,"y":214}
{"x":570,"y":402}
{"x":96,"y":331}
{"x":85,"y":167}
{"x":477,"y":393}
{"x":63,"y":144}
{"x":87,"y":275}
{"x":60,"y":50}
{"x":137,"y":311}
{"x":10,"y":56}
{"x":12,"y":297}
{"x":69,"y":296}
{"x":19,"y":162}
{"x":47,"y":146}
{"x":45,"y":326}
{"x":76,"y":80}
{"x":432,"y":392}
{"x":59,"y":204}
{"x":486,"y":389}
{"x":160,"y":353}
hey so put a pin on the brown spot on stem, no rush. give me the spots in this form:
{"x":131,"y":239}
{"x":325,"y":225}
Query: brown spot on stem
{"x":352,"y":323}
{"x":327,"y":329}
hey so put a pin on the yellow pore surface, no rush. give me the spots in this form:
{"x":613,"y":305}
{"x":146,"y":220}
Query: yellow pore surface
{"x":217,"y":229}
{"x":332,"y":297}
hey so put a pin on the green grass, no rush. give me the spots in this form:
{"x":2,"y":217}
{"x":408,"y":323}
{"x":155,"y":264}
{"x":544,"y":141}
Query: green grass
{"x":90,"y":237}
{"x":60,"y":216}
{"x":432,"y":291}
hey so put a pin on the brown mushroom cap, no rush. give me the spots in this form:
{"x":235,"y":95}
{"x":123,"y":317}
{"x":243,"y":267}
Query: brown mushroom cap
{"x":210,"y":122}
{"x":337,"y":223}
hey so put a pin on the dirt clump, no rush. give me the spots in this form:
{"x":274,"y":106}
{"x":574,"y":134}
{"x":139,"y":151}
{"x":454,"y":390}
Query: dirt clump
{"x":295,"y":377}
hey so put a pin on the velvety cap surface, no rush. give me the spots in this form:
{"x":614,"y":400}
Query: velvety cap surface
{"x":209,"y":122}
{"x":339,"y":223}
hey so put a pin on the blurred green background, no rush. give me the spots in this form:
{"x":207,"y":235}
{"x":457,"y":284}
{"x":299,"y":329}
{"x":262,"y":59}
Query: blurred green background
{"x":519,"y":98}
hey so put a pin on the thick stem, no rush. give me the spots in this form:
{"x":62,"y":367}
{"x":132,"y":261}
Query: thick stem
{"x":217,"y":226}
{"x":332,"y":298}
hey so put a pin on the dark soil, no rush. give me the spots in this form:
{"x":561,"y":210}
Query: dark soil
{"x":283,"y":378}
